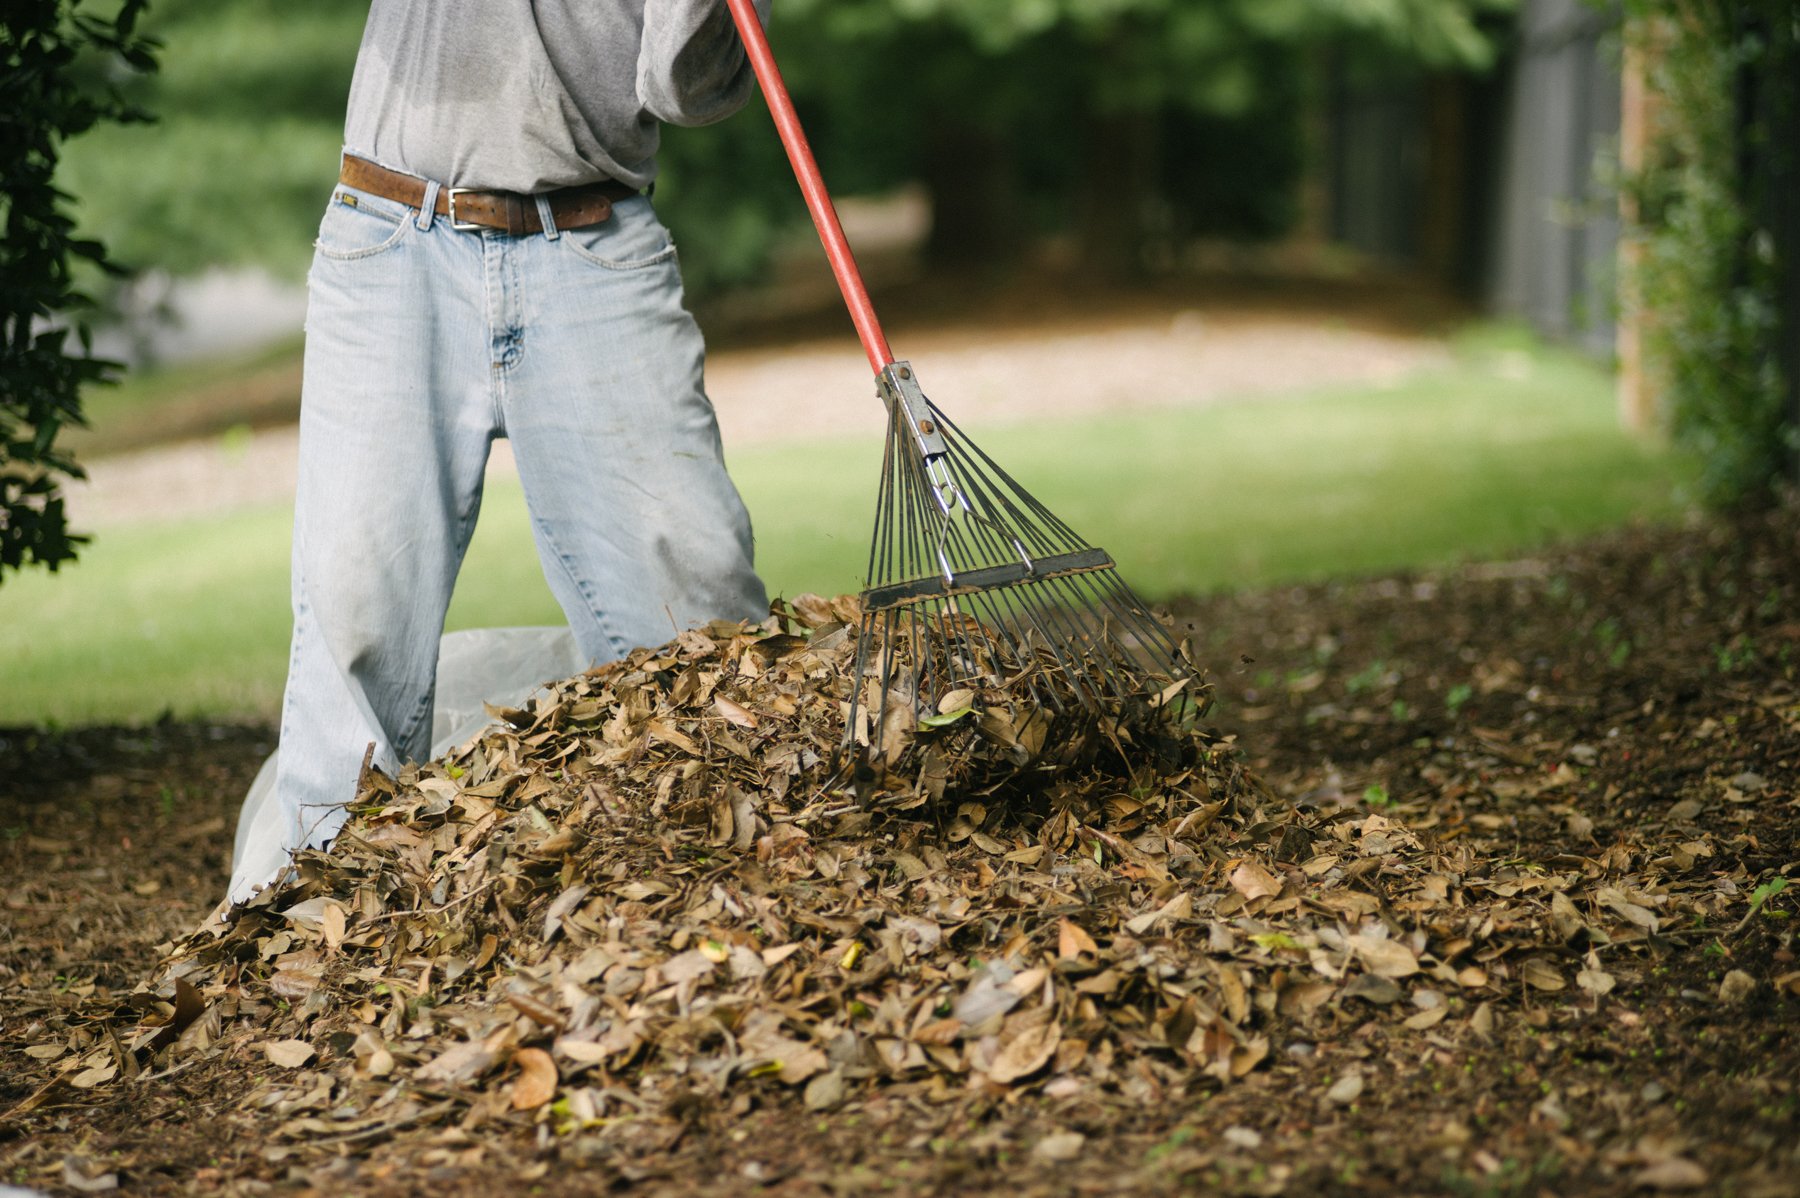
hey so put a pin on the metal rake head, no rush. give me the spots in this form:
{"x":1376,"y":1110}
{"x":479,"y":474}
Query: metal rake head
{"x":977,"y":592}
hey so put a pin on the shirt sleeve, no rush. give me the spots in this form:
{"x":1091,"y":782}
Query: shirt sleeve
{"x":692,"y":69}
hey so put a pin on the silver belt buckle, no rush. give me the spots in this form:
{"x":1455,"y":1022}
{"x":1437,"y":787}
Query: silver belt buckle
{"x":459,"y":225}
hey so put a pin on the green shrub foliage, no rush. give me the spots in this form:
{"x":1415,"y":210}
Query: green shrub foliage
{"x":1710,"y":278}
{"x":57,"y":70}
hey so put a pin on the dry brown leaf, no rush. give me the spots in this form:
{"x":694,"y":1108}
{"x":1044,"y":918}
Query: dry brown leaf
{"x":1736,"y":986}
{"x":1595,"y":981}
{"x":1071,"y":941}
{"x":1059,"y":1146}
{"x":463,"y":1063}
{"x":1253,"y":881}
{"x":735,"y":712}
{"x":536,"y":1083}
{"x":1670,"y":1174}
{"x":287,"y":1054}
{"x":332,"y":922}
{"x":1541,"y":975}
{"x":1347,"y":1089}
{"x":1025,"y":1053}
{"x":1384,"y":957}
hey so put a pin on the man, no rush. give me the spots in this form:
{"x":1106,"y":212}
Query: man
{"x":486,"y":268}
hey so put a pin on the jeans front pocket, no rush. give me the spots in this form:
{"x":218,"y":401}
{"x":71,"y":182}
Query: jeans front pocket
{"x":630,"y":239}
{"x":359,"y":225}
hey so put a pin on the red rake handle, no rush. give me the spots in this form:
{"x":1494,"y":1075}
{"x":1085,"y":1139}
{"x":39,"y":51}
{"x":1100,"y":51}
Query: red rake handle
{"x":812,"y":186}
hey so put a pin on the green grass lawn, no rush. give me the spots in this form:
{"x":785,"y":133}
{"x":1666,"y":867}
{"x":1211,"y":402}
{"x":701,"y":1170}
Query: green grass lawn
{"x":1511,"y":448}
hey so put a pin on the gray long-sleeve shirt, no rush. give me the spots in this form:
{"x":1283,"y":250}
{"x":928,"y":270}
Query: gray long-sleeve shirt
{"x":527,"y":95}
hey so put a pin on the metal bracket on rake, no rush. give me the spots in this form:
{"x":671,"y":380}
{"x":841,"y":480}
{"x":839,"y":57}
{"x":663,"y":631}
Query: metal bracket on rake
{"x":900,"y":391}
{"x":987,"y":578}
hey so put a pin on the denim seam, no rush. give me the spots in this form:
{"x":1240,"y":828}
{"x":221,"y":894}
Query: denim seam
{"x":306,"y":824}
{"x":619,"y":647}
{"x":495,"y":319}
{"x":411,"y":726}
{"x":377,"y":213}
{"x":515,"y":325}
{"x":301,"y":606}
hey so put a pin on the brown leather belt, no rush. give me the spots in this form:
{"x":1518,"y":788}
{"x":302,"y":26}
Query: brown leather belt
{"x":512,"y":212}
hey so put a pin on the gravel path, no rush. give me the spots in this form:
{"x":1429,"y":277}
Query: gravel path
{"x":821,"y":388}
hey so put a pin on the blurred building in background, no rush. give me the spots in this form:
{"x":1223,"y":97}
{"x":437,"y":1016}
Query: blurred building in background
{"x":1500,"y":185}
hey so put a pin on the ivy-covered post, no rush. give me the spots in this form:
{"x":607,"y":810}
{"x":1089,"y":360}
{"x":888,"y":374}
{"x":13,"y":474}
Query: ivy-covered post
{"x":1714,"y":258}
{"x":59,"y":68}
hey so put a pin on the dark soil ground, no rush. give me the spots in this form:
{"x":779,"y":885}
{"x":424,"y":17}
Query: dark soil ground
{"x":1626,"y":709}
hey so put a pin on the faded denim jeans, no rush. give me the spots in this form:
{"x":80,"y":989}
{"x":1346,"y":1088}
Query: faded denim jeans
{"x":423,"y":345}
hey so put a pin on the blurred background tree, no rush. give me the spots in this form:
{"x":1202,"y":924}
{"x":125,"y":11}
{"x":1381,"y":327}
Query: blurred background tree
{"x":59,"y":67}
{"x":1122,"y":123}
{"x":250,"y":106}
{"x":1119,"y":123}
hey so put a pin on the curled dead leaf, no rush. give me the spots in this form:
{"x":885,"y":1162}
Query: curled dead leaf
{"x":536,"y":1083}
{"x":734,"y":712}
{"x":1253,"y":881}
{"x":1025,"y":1053}
{"x":1539,"y":974}
{"x":1384,"y":957}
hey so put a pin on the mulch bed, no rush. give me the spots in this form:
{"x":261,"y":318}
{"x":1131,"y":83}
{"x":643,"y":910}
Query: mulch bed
{"x":1491,"y":898}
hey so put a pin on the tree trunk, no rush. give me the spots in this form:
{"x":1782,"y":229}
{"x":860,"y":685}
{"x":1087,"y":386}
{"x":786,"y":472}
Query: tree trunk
{"x":976,"y":216}
{"x":1114,"y":193}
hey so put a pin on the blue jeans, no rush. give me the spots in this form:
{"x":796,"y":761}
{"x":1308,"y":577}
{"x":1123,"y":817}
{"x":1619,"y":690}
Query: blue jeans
{"x":423,"y":345}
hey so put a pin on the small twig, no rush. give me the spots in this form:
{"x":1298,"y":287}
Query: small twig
{"x":1687,"y":934}
{"x":487,"y":885}
{"x":380,"y":1129}
{"x":172,"y":1070}
{"x":827,"y":813}
{"x":1113,"y":842}
{"x":1743,"y":923}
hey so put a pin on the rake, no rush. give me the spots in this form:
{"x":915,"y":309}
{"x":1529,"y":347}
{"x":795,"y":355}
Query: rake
{"x":973,"y":585}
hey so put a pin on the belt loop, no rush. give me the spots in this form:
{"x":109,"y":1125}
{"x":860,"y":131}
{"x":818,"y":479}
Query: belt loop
{"x":428,"y":205}
{"x":546,"y":217}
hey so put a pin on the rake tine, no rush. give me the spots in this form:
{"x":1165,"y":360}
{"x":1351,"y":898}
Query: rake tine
{"x":1061,"y":642}
{"x":1031,"y":504}
{"x":1011,"y":616}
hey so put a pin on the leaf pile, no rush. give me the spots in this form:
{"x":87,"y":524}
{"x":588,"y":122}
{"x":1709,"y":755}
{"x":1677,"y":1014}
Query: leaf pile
{"x":659,"y":872}
{"x":650,"y":892}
